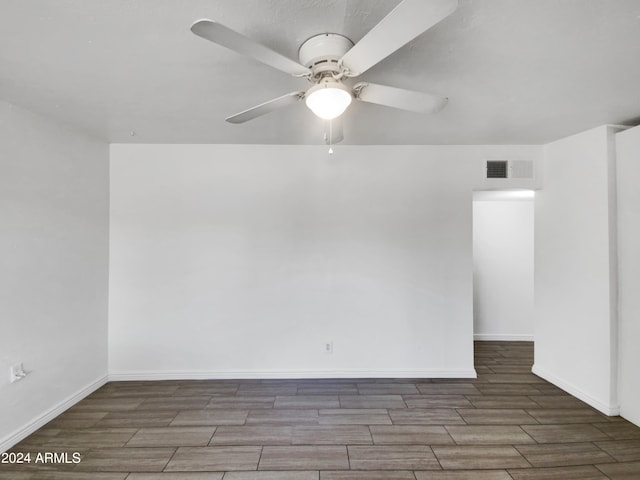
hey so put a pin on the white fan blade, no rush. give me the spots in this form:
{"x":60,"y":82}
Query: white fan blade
{"x":404,"y":23}
{"x":218,"y":33}
{"x":266,"y":107}
{"x":333,"y":132}
{"x":399,"y":98}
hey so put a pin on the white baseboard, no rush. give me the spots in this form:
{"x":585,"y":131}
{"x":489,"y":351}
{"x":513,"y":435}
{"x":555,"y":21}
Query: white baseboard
{"x":611,"y":410}
{"x":10,"y":440}
{"x":282,"y":374}
{"x":500,"y":337}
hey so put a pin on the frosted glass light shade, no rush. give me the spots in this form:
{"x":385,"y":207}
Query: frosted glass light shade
{"x":328,"y":100}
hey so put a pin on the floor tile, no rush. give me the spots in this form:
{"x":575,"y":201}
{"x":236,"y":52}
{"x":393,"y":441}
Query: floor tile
{"x":126,"y":460}
{"x":283,"y":417}
{"x":502,"y":401}
{"x":307,"y":401}
{"x":367,"y":475}
{"x":621,"y":471}
{"x":549,"y":389}
{"x":354,"y":419}
{"x":108,"y":404}
{"x":353,"y":411}
{"x":253,"y":435}
{"x":328,"y":390}
{"x":354,"y":416}
{"x":566,"y":415}
{"x":436,"y":401}
{"x":558,"y":473}
{"x":619,"y":430}
{"x":377,"y":457}
{"x":331,"y":435}
{"x":138,"y":389}
{"x":464,"y":475}
{"x":566,"y":433}
{"x":172,"y":436}
{"x":13,"y":475}
{"x":175,"y":476}
{"x":135,"y":419}
{"x":558,"y":401}
{"x":77,"y":419}
{"x":488,"y":435}
{"x":210,"y":417}
{"x":214,"y":459}
{"x":387,"y":388}
{"x":174,"y":403}
{"x":529,"y":378}
{"x":622,"y":450}
{"x":91,"y":438}
{"x":211,"y":388}
{"x":432,"y":416}
{"x":261,"y":390}
{"x":448,"y":389}
{"x":241,"y":403}
{"x":563,"y":454}
{"x":478,"y":457}
{"x":501,"y":390}
{"x":301,"y":475}
{"x":371,"y":401}
{"x":496,"y":416}
{"x":52,"y":475}
{"x":511,"y":368}
{"x":304,"y":458}
{"x":410,"y":435}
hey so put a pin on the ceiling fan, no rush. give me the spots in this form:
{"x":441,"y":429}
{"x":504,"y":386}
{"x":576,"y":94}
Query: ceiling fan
{"x":327,"y":59}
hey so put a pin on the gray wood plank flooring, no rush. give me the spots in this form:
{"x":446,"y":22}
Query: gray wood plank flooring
{"x":507,"y":424}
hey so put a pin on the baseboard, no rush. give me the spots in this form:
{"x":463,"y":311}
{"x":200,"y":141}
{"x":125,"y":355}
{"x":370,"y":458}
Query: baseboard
{"x":282,"y":374}
{"x":611,"y":410}
{"x":499,"y":337}
{"x":17,"y":436}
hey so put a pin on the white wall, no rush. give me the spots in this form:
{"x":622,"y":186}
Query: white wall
{"x":245,"y":260}
{"x":575,"y":278}
{"x":628,"y":166}
{"x":53,"y":268}
{"x":503,"y":265}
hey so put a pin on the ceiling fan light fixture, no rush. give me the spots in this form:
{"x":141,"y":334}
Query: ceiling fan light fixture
{"x":328,"y":99}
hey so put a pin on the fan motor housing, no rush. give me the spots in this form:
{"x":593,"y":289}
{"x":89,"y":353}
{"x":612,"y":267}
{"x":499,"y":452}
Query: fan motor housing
{"x":321,"y":53}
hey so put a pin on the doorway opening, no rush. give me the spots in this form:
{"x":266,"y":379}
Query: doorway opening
{"x":503,"y":265}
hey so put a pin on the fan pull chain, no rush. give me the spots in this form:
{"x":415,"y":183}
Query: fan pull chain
{"x":330,"y":136}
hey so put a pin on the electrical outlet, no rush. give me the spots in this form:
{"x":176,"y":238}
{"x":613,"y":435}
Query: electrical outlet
{"x":17,"y":372}
{"x":328,"y":347}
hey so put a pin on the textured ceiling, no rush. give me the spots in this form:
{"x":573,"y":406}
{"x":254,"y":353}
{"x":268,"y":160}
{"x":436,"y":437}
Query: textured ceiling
{"x":516,"y":71}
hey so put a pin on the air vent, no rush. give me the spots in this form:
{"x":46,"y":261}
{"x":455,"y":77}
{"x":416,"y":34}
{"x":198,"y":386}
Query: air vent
{"x":497,"y":168}
{"x":510,"y":169}
{"x":520,"y":169}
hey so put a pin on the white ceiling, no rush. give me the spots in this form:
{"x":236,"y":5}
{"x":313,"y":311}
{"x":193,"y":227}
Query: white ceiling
{"x":516,"y":71}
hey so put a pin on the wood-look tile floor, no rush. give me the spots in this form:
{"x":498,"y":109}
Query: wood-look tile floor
{"x":507,"y":424}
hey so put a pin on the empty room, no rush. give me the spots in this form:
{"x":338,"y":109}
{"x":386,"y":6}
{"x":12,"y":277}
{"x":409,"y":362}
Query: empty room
{"x":319,"y":239}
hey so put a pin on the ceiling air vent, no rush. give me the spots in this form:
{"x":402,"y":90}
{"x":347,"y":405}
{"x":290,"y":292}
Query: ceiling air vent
{"x":520,"y":169}
{"x":510,"y":169}
{"x":497,"y":168}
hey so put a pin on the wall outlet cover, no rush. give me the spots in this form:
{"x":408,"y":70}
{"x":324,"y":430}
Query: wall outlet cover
{"x":17,"y":372}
